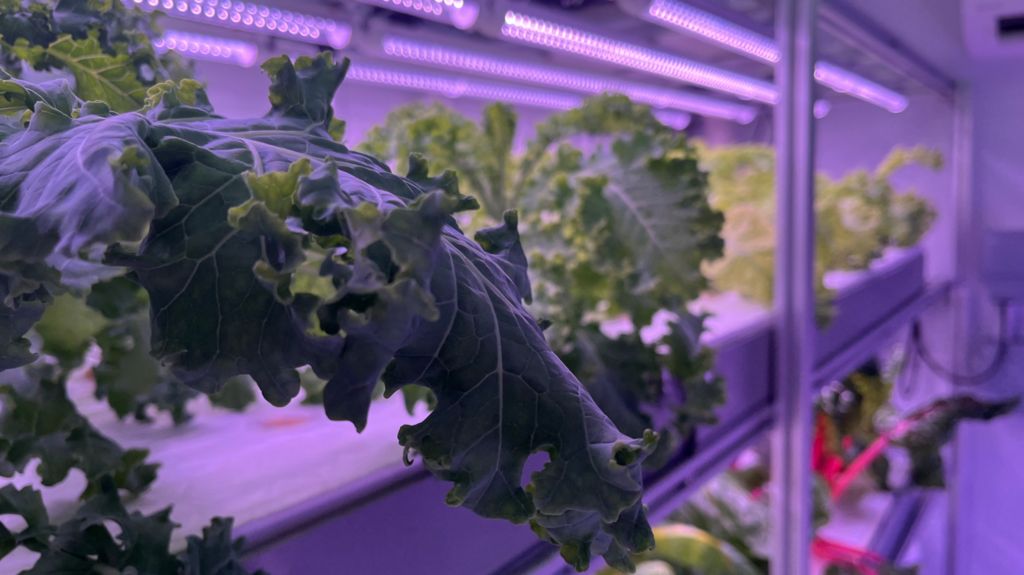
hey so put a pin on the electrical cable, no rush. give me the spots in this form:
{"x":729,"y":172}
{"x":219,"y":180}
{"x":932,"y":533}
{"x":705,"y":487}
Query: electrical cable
{"x":1002,"y":352}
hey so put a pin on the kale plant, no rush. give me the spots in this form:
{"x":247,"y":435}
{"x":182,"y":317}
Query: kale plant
{"x":857,"y":217}
{"x":104,"y":537}
{"x":265,"y":246}
{"x":616,"y":227}
{"x":104,"y":46}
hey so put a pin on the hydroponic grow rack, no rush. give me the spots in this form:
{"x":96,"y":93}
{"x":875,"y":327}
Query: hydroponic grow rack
{"x":772,"y":362}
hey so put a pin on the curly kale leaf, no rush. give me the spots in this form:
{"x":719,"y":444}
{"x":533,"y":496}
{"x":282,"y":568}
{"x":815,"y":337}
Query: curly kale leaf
{"x":482,"y":155}
{"x":857,"y":216}
{"x":624,"y":235}
{"x":26,"y":503}
{"x":38,"y":421}
{"x":266,"y":246}
{"x":103,"y":45}
{"x":103,"y":536}
{"x":621,"y":230}
{"x":216,"y":552}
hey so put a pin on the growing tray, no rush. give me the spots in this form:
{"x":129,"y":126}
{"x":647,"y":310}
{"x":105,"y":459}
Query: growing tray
{"x":864,"y":299}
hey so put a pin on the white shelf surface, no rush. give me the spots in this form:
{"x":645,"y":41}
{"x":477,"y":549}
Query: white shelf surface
{"x":247,"y":465}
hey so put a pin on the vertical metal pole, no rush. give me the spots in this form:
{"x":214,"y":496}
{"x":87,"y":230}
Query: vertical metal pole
{"x":966,"y":299}
{"x":794,"y":288}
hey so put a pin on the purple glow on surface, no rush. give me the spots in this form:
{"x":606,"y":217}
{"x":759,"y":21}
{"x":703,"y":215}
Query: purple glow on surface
{"x":210,"y":48}
{"x":255,"y":18}
{"x":672,"y":119}
{"x":695,"y":21}
{"x":536,"y":31}
{"x":658,"y":97}
{"x":460,"y":87}
{"x":459,"y":13}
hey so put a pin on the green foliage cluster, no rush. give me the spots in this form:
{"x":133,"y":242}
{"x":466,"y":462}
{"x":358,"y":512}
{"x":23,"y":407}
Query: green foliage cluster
{"x":616,"y":224}
{"x":857,"y":216}
{"x":104,"y":537}
{"x":104,"y":46}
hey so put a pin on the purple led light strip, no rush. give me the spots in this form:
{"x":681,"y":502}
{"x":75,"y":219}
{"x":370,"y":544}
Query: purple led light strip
{"x":457,"y":59}
{"x":208,"y":48}
{"x":459,"y":13}
{"x":457,"y":87}
{"x":531,"y":30}
{"x":713,"y":28}
{"x":255,"y":18}
{"x":739,"y":39}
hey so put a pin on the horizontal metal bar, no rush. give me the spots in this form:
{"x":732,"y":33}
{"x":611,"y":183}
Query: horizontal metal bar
{"x":267,"y":530}
{"x":896,"y":527}
{"x":674,"y":489}
{"x":867,"y":344}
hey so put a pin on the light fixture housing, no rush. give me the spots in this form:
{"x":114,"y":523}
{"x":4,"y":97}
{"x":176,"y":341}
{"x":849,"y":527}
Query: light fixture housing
{"x":459,"y":13}
{"x":258,"y":18}
{"x":211,"y":48}
{"x":678,"y":15}
{"x":528,"y":29}
{"x":460,"y":59}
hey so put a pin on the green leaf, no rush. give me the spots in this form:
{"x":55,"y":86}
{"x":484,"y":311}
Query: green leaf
{"x":236,"y":395}
{"x":28,"y":504}
{"x":39,"y":421}
{"x":87,"y":543}
{"x":130,"y":379}
{"x":216,"y":552}
{"x":857,"y":217}
{"x":98,"y":75}
{"x":84,"y":38}
{"x":450,"y":141}
{"x":68,"y":327}
{"x":104,"y":537}
{"x":687,"y":549}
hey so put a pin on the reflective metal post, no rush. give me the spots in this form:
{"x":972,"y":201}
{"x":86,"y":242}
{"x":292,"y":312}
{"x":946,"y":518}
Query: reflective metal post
{"x":794,"y":288}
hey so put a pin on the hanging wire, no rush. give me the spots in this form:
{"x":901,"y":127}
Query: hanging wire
{"x":966,"y":379}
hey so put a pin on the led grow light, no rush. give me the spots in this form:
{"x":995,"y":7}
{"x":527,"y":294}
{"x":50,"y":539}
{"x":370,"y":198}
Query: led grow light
{"x":713,"y":28}
{"x":459,"y":13}
{"x":459,"y":87}
{"x":208,"y":48}
{"x":255,"y":18}
{"x":846,"y":82}
{"x":528,"y":29}
{"x":684,"y":17}
{"x":458,"y":59}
